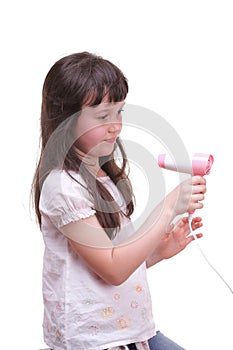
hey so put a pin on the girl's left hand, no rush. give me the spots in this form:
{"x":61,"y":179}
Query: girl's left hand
{"x":178,"y":238}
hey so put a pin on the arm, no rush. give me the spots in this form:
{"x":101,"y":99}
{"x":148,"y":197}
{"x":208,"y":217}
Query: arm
{"x":115,"y":264}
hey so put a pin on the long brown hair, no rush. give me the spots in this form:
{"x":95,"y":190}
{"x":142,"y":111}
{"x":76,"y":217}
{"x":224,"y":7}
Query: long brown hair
{"x":72,"y":82}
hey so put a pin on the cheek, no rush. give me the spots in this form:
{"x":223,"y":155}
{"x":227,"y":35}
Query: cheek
{"x":91,"y":138}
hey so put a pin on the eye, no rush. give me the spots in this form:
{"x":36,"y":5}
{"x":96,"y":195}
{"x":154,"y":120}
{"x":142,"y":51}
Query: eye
{"x":102,"y":117}
{"x":120,"y":111}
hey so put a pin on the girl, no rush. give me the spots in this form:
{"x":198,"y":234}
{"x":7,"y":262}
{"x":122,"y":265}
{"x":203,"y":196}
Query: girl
{"x":95,"y":289}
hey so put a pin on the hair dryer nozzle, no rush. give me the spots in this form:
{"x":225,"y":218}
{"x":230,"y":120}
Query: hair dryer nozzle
{"x":201,"y":164}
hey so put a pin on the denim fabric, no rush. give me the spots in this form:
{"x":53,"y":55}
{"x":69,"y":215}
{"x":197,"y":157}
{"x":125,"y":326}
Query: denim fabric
{"x":160,"y":342}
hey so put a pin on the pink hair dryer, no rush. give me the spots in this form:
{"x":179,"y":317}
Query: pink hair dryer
{"x":201,"y":164}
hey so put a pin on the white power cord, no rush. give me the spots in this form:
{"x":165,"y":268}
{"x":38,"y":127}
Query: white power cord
{"x":190,"y":217}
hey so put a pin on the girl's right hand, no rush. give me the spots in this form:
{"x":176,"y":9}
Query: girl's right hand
{"x":186,"y":197}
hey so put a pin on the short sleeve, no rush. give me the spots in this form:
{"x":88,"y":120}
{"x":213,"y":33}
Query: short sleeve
{"x":64,"y":200}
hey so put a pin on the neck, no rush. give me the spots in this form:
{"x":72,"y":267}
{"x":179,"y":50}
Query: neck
{"x":91,"y":163}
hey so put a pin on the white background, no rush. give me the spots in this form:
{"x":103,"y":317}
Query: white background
{"x":177,"y":56}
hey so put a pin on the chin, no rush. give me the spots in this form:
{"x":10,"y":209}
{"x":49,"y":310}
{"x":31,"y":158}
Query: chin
{"x":106,"y":151}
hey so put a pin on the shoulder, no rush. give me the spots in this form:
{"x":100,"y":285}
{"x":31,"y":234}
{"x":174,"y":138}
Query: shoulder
{"x":64,"y":198}
{"x":60,"y":183}
{"x":60,"y":187}
{"x":59,"y":179}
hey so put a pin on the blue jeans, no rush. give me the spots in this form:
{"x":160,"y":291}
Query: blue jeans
{"x":160,"y":342}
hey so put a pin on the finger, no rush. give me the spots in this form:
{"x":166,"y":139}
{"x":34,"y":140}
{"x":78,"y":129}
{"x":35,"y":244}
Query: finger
{"x":199,"y":189}
{"x":197,"y":226}
{"x":198,"y":197}
{"x":196,"y":221}
{"x":198,"y":235}
{"x":198,"y":180}
{"x":196,"y":202}
{"x":191,"y":238}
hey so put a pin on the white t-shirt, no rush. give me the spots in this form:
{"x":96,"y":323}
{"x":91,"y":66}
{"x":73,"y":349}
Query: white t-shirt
{"x":81,"y":311}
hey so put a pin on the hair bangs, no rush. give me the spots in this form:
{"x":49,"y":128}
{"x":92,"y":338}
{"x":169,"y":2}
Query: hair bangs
{"x":106,"y":82}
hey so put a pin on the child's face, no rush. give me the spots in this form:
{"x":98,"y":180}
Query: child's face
{"x":98,"y":128}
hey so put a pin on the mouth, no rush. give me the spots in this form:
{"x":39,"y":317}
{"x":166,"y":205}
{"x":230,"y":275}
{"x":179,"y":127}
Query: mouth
{"x":111,"y":140}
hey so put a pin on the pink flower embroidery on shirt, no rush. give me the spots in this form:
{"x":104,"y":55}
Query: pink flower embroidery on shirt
{"x":108,"y":312}
{"x":139,"y":289}
{"x":116,"y":296}
{"x":94,"y":330}
{"x":134,"y":304}
{"x":123,"y":322}
{"x":59,"y":307}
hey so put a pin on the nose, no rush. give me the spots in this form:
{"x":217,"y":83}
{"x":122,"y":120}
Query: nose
{"x":115,"y":124}
{"x":114,"y":127}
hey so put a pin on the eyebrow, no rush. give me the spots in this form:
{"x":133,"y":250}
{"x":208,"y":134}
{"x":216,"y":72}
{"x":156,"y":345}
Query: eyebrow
{"x":107,"y":108}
